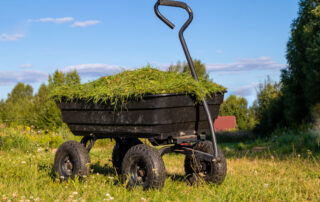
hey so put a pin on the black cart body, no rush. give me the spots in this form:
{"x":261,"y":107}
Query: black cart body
{"x":163,"y":119}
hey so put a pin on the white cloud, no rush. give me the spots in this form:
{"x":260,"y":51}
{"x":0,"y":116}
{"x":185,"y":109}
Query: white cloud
{"x":54,"y":20}
{"x":245,"y":90}
{"x":246,"y":64}
{"x":85,"y":23}
{"x":10,"y":37}
{"x":12,"y":77}
{"x":26,"y":66}
{"x":93,"y":70}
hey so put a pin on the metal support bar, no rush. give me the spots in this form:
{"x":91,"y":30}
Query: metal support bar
{"x":85,"y":140}
{"x":187,"y":151}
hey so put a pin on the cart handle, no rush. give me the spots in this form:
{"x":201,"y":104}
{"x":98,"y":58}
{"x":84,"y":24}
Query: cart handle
{"x":173,"y":4}
{"x":189,"y":59}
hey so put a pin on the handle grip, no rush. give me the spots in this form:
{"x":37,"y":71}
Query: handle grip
{"x":173,"y":4}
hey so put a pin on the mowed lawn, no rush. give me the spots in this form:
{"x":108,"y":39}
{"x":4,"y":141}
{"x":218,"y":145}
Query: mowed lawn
{"x":28,"y":176}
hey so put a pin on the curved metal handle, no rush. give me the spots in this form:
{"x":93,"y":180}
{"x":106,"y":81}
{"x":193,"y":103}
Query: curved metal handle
{"x":173,"y":4}
{"x":189,"y":59}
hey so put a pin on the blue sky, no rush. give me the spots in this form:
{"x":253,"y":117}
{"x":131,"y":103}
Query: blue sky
{"x":241,"y":42}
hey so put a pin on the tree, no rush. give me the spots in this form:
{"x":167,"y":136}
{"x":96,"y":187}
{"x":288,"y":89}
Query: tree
{"x":19,"y":107}
{"x":48,"y":116}
{"x":301,"y":83}
{"x":39,"y":110}
{"x":60,"y":78}
{"x":238,"y":107}
{"x":20,"y":91}
{"x":268,"y":108}
{"x":198,"y":65}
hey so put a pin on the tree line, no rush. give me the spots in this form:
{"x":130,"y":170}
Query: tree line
{"x":23,"y":107}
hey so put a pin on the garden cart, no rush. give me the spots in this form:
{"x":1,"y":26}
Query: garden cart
{"x":174,"y":122}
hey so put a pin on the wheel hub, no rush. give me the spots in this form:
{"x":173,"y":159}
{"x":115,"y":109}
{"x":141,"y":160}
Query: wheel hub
{"x":138,"y":173}
{"x":67,"y":166}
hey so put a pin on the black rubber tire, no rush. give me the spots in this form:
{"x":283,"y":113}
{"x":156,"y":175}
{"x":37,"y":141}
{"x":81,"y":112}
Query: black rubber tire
{"x":143,"y":166}
{"x":72,"y":159}
{"x":198,"y":171}
{"x":120,"y":149}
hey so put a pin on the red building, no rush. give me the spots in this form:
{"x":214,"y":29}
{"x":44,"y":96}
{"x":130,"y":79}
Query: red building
{"x":223,"y":123}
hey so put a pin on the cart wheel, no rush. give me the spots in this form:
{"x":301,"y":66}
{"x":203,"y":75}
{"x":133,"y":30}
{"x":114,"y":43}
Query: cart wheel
{"x":143,"y":166}
{"x":210,"y":172}
{"x":119,"y":150}
{"x":72,"y":159}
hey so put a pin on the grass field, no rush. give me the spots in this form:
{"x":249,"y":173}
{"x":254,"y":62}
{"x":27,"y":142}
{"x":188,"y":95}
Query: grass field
{"x":26,"y":174}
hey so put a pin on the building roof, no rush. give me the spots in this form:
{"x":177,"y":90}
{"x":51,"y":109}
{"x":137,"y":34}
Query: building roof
{"x":225,"y":123}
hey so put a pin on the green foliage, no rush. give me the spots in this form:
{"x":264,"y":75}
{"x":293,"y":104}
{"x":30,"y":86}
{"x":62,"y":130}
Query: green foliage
{"x":49,"y":115}
{"x":39,"y":110}
{"x":296,"y":141}
{"x":59,"y":78}
{"x":117,"y":89}
{"x":184,"y":68}
{"x":292,"y":102}
{"x":19,"y":107}
{"x":268,"y":109}
{"x":238,"y":107}
{"x":301,"y":82}
{"x":28,"y":139}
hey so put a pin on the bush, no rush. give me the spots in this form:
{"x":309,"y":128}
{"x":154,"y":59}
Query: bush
{"x":289,"y":141}
{"x":28,"y":139}
{"x":268,"y":108}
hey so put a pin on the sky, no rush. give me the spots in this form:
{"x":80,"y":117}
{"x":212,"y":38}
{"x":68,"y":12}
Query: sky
{"x":241,"y":42}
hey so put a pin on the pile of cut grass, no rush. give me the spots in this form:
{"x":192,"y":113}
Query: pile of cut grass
{"x":119,"y":88}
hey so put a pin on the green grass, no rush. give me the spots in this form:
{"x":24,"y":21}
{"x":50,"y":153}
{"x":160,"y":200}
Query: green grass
{"x":26,"y":174}
{"x":117,"y":89}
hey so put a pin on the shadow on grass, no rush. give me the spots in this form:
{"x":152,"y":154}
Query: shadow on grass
{"x":177,"y":177}
{"x":106,"y":170}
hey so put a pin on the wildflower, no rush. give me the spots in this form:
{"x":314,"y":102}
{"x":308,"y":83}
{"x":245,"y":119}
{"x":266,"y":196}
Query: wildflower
{"x":111,"y":198}
{"x":309,"y":152}
{"x":143,"y":199}
{"x":28,"y":129}
{"x":265,"y":185}
{"x":299,"y":155}
{"x":108,"y":195}
{"x":4,"y":197}
{"x":272,"y":157}
{"x":75,"y":193}
{"x":23,"y":162}
{"x":14,"y":194}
